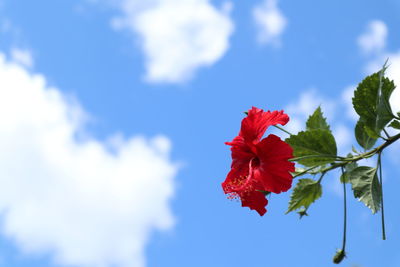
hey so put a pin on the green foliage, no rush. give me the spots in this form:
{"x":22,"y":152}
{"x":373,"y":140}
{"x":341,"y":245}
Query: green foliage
{"x":317,"y":122}
{"x":315,"y":149}
{"x":371,"y":102}
{"x":304,"y":194}
{"x":366,"y":187}
{"x":363,"y":139}
{"x":395,"y":124}
{"x":345,"y":177}
{"x":316,"y":145}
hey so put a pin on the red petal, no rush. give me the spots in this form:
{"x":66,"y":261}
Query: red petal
{"x":257,"y":122}
{"x":248,"y":193}
{"x":255,"y":200}
{"x":239,"y":186}
{"x":234,"y":179}
{"x":274,"y":167}
{"x":241,"y":152}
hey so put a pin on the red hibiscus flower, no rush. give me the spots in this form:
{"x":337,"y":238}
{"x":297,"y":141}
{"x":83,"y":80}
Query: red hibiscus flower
{"x":259,"y":164}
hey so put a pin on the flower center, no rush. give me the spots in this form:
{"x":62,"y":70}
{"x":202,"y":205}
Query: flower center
{"x":254,"y":163}
{"x":243,"y":184}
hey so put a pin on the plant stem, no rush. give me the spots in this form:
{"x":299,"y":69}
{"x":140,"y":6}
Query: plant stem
{"x":317,"y":156}
{"x":387,"y":134}
{"x":342,"y":161}
{"x":380,"y":181}
{"x":320,"y":178}
{"x":283,"y":130}
{"x":365,"y":155}
{"x":305,"y":171}
{"x":344,"y":215}
{"x":340,"y":254}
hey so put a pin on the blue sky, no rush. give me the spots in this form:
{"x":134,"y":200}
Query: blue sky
{"x":114,"y":115}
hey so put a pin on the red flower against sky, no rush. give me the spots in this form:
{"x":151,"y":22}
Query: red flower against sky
{"x":259,"y":165}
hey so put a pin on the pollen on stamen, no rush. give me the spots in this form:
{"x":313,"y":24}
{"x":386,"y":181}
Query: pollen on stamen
{"x":238,"y":187}
{"x":239,"y":181}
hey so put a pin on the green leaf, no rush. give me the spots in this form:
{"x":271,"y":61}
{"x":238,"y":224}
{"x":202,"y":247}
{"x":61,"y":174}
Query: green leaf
{"x":371,"y":132}
{"x":345,"y":177}
{"x":304,"y":194}
{"x":316,"y":121}
{"x":395,"y":124}
{"x":363,"y":139}
{"x":366,"y":187}
{"x":316,"y":147}
{"x":371,"y":102}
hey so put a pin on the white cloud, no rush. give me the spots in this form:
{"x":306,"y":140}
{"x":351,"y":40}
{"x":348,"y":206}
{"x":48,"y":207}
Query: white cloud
{"x":23,"y":57}
{"x":177,"y":36}
{"x":270,"y":22}
{"x":373,"y":40}
{"x":89,"y":203}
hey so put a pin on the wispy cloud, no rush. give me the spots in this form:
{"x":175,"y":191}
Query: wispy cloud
{"x":393,"y":72}
{"x":177,"y":36}
{"x":22,"y":56}
{"x":308,"y":101}
{"x":9,"y":29}
{"x":90,"y":203}
{"x":373,"y":40}
{"x":270,"y":22}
